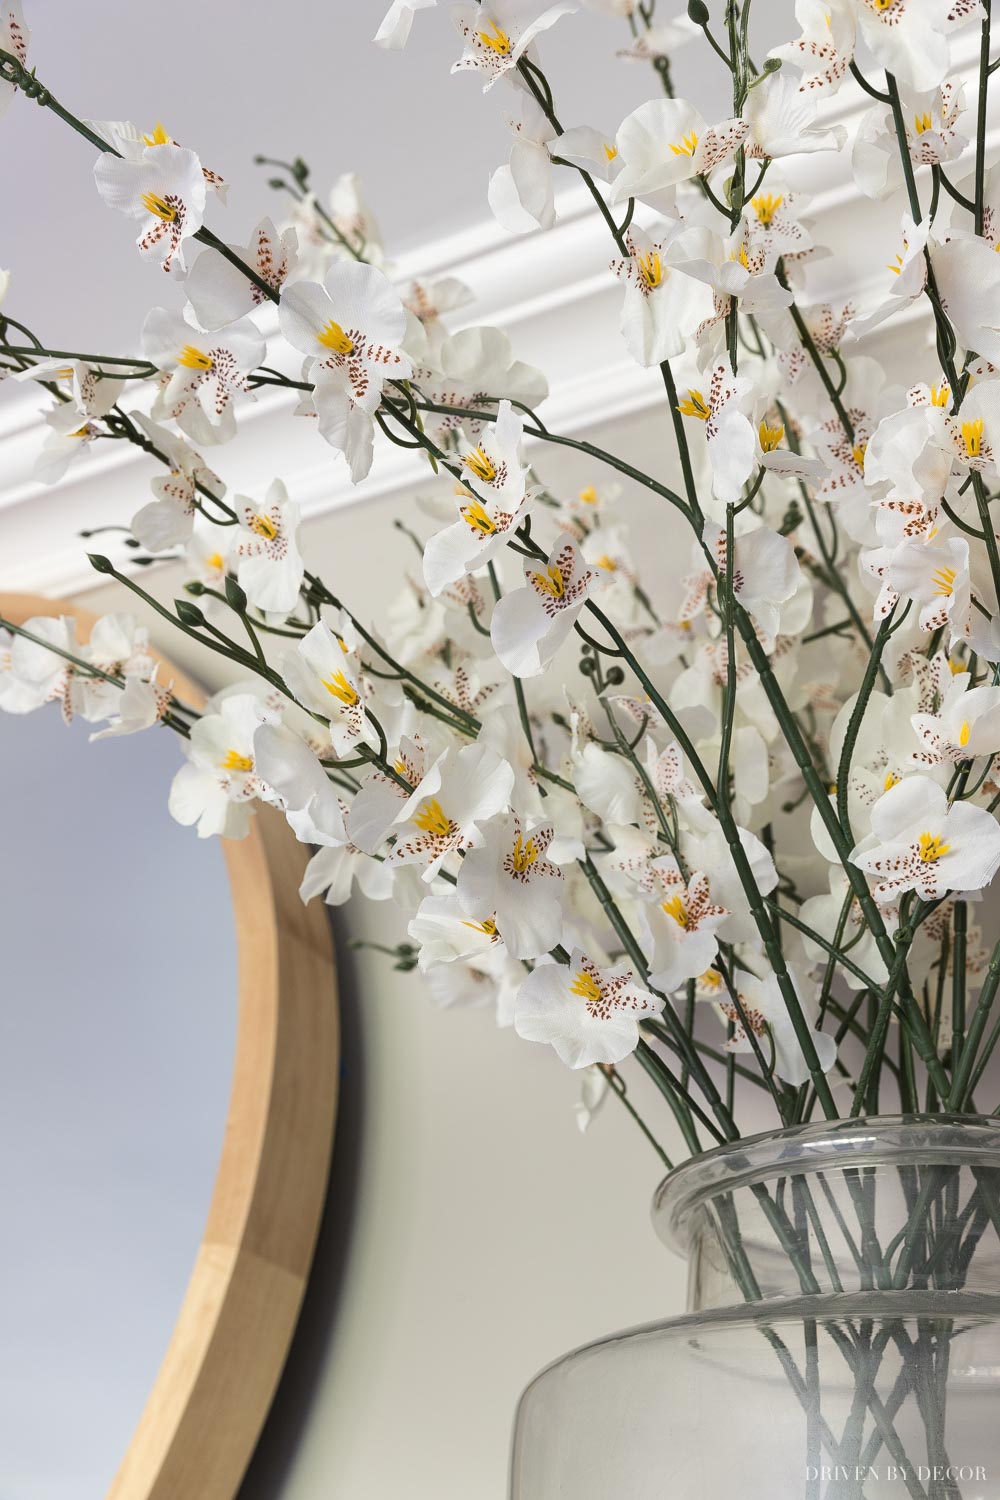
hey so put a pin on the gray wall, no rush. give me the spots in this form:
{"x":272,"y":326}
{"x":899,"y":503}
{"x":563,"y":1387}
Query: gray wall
{"x":117,"y":1027}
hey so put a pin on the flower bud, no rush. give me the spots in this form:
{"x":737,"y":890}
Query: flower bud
{"x":188,"y":613}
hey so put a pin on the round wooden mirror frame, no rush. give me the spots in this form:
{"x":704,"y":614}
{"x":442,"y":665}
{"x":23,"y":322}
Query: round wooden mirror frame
{"x":220,"y":1370}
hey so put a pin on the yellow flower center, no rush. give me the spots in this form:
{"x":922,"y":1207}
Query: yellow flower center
{"x":481,"y":465}
{"x":687,"y":147}
{"x":339,"y":687}
{"x":944,"y":581}
{"x":497,"y":40}
{"x":487,"y":928}
{"x":607,"y":563}
{"x":588,"y":495}
{"x":963,"y":733}
{"x":710,"y":980}
{"x":741,"y":257}
{"x":399,"y":766}
{"x":586,"y":986}
{"x":159,"y":136}
{"x":955,"y":667}
{"x":523,"y":854}
{"x":333,"y":337}
{"x":264,"y":527}
{"x":769,"y":437}
{"x":922,"y":123}
{"x":650,"y":268}
{"x":858,"y":454}
{"x":895,"y":266}
{"x":159,"y":207}
{"x":883,"y":5}
{"x":234,"y":761}
{"x":675,"y":908}
{"x":214,"y":562}
{"x":610,"y":152}
{"x":476,"y":516}
{"x":972,"y":437}
{"x":551,"y":582}
{"x":931,"y":848}
{"x":891,"y":780}
{"x":432,"y":819}
{"x":193,"y":358}
{"x":766,"y":205}
{"x":695,"y":405}
{"x":940,"y":395}
{"x":82,"y":432}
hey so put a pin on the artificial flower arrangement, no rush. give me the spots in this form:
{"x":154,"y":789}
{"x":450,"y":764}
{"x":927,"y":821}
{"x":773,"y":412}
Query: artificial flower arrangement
{"x":736,"y":836}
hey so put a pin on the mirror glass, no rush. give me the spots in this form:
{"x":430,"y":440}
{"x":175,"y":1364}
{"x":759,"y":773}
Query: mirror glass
{"x":117,"y":1037}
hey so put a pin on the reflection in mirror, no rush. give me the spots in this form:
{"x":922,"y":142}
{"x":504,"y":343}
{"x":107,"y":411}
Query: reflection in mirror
{"x":114,"y":1086}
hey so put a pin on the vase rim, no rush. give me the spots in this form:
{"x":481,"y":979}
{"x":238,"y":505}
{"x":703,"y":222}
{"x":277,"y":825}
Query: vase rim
{"x":865,"y":1141}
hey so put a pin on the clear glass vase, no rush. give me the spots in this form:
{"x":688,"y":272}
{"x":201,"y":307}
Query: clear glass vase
{"x":842,"y":1338}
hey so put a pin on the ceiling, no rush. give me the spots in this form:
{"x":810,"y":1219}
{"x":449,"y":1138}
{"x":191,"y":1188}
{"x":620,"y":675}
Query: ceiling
{"x":228,"y":81}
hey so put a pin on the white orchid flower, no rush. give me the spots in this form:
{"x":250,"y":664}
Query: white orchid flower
{"x":732,"y":442}
{"x":351,"y":328}
{"x":141,"y":703}
{"x":509,"y":877}
{"x":499,"y":32}
{"x":93,"y":389}
{"x":767,"y":1015}
{"x":207,"y":371}
{"x":442,"y":816}
{"x":325,"y":677}
{"x":587,"y":1013}
{"x":490,"y":978}
{"x":168,"y":520}
{"x":118,"y":646}
{"x":214,"y":790}
{"x":660,"y":305}
{"x":444,"y":931}
{"x":966,"y":725}
{"x":220,"y":293}
{"x":394,"y":31}
{"x":908,"y":276}
{"x":823,"y":914}
{"x":666,"y":142}
{"x":380,"y":800}
{"x":68,"y":438}
{"x":165,"y":189}
{"x":737,"y":268}
{"x":931,"y":139}
{"x":967,"y":272}
{"x":531,"y":623}
{"x":782,"y":120}
{"x":710,"y":853}
{"x":492,"y":502}
{"x":772,"y":225}
{"x":682,"y":924}
{"x":479,"y":369}
{"x":935,"y":576}
{"x":594,"y":1089}
{"x":921,"y":842}
{"x":14,"y":38}
{"x":825,"y":50}
{"x":270,"y":567}
{"x":909,"y":38}
{"x":522,"y":192}
{"x":31,"y":674}
{"x":765,"y":570}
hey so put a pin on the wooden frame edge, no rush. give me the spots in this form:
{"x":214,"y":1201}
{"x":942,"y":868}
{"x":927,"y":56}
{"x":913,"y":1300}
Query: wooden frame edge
{"x":221,"y":1368}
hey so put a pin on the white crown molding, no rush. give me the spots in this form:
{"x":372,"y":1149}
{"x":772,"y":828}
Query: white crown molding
{"x":552,"y":292}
